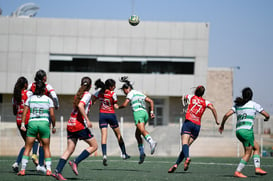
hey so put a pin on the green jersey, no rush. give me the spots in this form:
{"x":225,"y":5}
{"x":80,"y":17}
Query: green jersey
{"x":246,"y":114}
{"x":137,"y":100}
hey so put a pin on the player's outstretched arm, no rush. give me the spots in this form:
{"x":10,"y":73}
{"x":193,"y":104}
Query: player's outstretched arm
{"x":266,"y":115}
{"x":213,"y":110}
{"x":125,"y":103}
{"x":226,"y":116}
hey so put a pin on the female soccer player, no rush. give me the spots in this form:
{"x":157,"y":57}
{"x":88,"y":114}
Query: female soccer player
{"x":50,"y":92}
{"x":191,"y":126}
{"x":18,"y":101}
{"x":246,"y":110}
{"x":108,"y":103}
{"x":137,"y":100}
{"x":41,"y":107}
{"x":77,"y":129}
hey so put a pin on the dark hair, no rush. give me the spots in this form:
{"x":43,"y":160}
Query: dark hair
{"x":108,"y":83}
{"x":85,"y":86}
{"x":40,"y":74}
{"x":247,"y":95}
{"x":19,"y":86}
{"x":40,"y":88}
{"x":126,"y":84}
{"x":199,"y":91}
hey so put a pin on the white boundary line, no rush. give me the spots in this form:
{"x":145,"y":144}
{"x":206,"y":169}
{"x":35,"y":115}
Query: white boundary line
{"x":164,"y":162}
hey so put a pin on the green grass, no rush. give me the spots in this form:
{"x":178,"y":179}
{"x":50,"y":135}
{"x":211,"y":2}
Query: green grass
{"x":154,"y":168}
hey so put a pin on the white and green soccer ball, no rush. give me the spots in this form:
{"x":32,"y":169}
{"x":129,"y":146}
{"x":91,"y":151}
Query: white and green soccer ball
{"x":134,"y":20}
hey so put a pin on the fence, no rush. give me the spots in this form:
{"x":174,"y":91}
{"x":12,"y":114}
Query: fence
{"x":208,"y":143}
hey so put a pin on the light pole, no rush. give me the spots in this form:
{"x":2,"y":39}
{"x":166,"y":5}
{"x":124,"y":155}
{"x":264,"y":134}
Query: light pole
{"x":234,"y":119}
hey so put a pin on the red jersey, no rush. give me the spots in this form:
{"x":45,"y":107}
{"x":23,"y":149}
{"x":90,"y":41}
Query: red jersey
{"x":76,"y":120}
{"x":107,"y":101}
{"x":33,"y":87}
{"x":196,"y":108}
{"x":20,"y":108}
{"x":49,"y":91}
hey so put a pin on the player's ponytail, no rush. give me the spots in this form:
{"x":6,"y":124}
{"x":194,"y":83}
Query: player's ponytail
{"x":247,"y":95}
{"x":85,"y":86}
{"x":20,"y":84}
{"x":40,"y":88}
{"x":101,"y":85}
{"x":126,"y":84}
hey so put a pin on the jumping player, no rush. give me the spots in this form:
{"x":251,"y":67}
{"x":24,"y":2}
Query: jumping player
{"x":138,"y":103}
{"x":77,"y":129}
{"x":191,"y":126}
{"x":108,"y":103}
{"x":246,"y":110}
{"x":18,"y":101}
{"x":41,"y":107}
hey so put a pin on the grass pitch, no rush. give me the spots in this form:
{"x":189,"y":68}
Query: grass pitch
{"x":154,"y":168}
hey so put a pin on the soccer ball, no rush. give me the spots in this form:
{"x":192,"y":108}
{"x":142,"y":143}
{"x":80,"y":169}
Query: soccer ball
{"x":134,"y":20}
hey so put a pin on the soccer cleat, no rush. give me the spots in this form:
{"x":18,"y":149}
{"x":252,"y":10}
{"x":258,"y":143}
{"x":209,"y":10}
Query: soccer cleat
{"x":74,"y":167}
{"x":173,"y":168}
{"x":48,"y":173}
{"x":239,"y":175}
{"x":104,"y":160}
{"x":34,"y":159}
{"x":153,"y":146}
{"x":141,"y":158}
{"x":259,"y":171}
{"x":41,"y":169}
{"x":187,"y":163}
{"x":58,"y":176}
{"x":15,"y":167}
{"x":21,"y":173}
{"x":125,"y":156}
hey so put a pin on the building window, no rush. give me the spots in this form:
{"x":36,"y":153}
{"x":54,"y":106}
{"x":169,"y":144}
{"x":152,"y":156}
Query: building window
{"x":160,"y":65}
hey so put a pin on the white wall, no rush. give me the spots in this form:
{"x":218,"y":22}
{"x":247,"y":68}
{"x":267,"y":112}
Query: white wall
{"x":26,"y":44}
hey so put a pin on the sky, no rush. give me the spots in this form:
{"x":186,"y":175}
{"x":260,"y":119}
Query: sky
{"x":241,"y":31}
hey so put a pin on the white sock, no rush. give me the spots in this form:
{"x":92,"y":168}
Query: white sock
{"x":48,"y":165}
{"x":24,"y":163}
{"x":241,"y":165}
{"x":257,"y":162}
{"x":149,"y":139}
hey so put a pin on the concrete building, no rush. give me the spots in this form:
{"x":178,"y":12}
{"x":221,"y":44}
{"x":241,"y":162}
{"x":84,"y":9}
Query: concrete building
{"x":163,"y":59}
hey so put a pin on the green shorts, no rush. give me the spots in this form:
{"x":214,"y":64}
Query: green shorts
{"x":141,"y":117}
{"x":246,"y":137}
{"x":38,"y":127}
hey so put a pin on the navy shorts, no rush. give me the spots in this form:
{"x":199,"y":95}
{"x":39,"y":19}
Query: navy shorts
{"x":84,"y":134}
{"x":108,"y":118}
{"x":191,"y":129}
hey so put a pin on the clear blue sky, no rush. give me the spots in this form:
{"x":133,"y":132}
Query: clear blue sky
{"x":241,"y":31}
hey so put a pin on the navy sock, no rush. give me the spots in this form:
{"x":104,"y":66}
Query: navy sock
{"x":141,"y":149}
{"x":41,"y":156}
{"x":180,"y":158}
{"x":185,"y":149}
{"x":35,"y":147}
{"x":82,"y":156}
{"x":19,"y":158}
{"x":122,"y":148}
{"x":60,"y":165}
{"x":103,"y":148}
